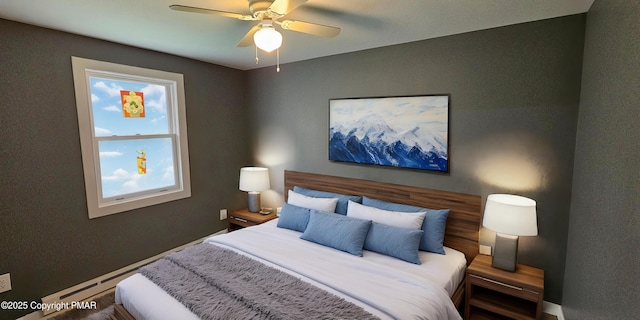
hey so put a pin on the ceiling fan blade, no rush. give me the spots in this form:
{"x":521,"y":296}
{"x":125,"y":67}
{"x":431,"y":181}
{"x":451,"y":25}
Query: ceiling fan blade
{"x":239,"y":16}
{"x":282,"y":7}
{"x":248,"y":38}
{"x":310,"y":28}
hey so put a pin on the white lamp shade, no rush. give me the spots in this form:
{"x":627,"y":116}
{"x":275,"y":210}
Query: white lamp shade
{"x":267,"y":38}
{"x":254,"y":179}
{"x":510,"y":214}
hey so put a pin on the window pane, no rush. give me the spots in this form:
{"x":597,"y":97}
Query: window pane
{"x":122,"y":172}
{"x":128,"y":107}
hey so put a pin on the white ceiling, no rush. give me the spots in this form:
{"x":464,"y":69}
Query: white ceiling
{"x":365,"y":24}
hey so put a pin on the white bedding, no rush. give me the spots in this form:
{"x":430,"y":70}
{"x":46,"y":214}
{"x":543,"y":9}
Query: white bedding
{"x":384,"y":286}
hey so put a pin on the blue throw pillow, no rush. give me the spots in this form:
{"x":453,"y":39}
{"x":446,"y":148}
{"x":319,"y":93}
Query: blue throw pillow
{"x":343,"y":200}
{"x":337,"y":231}
{"x":434,"y":223}
{"x":293,"y":217}
{"x":395,"y":242}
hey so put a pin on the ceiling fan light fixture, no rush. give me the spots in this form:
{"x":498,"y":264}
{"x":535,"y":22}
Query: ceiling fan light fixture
{"x":267,"y":38}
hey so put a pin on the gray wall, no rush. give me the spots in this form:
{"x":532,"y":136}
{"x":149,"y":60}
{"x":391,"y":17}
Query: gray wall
{"x":514,"y":112}
{"x":603,"y":251}
{"x":514,"y":106}
{"x":47,"y":242}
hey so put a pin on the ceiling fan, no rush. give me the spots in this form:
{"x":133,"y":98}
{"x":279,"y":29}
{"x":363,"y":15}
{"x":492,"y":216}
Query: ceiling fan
{"x":268,"y":12}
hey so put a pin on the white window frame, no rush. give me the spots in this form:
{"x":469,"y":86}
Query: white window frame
{"x":98,"y":206}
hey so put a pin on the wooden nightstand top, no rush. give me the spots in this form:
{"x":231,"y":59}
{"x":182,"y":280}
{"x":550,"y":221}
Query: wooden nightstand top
{"x":254,"y":217}
{"x":242,"y":218}
{"x":524,"y":276}
{"x":493,"y":293}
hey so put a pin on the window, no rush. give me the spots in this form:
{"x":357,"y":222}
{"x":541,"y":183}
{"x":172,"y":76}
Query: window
{"x":133,"y":135}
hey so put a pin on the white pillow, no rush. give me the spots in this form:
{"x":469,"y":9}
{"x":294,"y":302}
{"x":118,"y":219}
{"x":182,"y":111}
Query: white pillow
{"x":404,"y":220}
{"x":320,"y":204}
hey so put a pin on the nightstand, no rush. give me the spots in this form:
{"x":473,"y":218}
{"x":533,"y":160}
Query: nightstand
{"x":242,"y":218}
{"x":497,"y":294}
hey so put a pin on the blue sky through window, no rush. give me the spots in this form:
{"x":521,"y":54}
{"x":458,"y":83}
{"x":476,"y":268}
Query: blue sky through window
{"x":108,"y":118}
{"x":118,"y":158}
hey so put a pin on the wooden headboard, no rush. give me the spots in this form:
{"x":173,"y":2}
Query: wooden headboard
{"x":463,"y":223}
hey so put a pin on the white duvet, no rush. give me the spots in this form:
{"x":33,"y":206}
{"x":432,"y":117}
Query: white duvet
{"x":386,"y":287}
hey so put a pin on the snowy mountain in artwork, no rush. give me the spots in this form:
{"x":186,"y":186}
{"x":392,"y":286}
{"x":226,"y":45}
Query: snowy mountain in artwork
{"x":371,"y":140}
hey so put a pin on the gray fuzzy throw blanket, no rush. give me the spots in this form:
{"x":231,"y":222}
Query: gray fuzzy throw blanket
{"x":216,"y":283}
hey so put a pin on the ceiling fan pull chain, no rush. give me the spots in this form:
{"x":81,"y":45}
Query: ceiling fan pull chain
{"x":278,"y":60}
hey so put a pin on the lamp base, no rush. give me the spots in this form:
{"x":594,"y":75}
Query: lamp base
{"x":505,"y":252}
{"x":254,"y":201}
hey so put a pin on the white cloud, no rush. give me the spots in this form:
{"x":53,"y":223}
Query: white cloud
{"x":119,"y":174}
{"x":112,"y":108}
{"x":153,"y":89}
{"x":158,"y":105}
{"x":131,"y":185}
{"x":121,"y":181}
{"x":110,"y":154}
{"x":94,"y":98}
{"x":168,"y":174}
{"x":155,"y":97}
{"x":129,"y":181}
{"x":154,"y":120}
{"x":112,"y":89}
{"x":102,"y":131}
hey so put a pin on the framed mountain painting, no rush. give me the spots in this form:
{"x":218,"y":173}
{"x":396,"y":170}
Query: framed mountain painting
{"x":408,"y":132}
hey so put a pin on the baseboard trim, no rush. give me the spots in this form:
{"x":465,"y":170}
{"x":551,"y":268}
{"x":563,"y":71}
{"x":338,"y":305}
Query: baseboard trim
{"x":89,"y":289}
{"x":553,"y":309}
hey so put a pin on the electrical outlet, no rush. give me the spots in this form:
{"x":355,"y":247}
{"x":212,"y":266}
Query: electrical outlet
{"x":223,"y":214}
{"x":5,"y":282}
{"x":485,"y":250}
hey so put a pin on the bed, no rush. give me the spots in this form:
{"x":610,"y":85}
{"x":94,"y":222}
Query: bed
{"x":383,"y":287}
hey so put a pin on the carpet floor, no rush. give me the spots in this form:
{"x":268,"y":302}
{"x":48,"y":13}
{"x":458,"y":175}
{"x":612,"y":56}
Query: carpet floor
{"x":103,"y":310}
{"x":105,"y":303}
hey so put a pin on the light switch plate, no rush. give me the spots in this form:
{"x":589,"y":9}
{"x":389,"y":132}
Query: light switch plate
{"x":223,"y":214}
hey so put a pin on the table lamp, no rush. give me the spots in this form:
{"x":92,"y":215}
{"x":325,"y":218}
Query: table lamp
{"x":254,"y":180}
{"x":509,"y":216}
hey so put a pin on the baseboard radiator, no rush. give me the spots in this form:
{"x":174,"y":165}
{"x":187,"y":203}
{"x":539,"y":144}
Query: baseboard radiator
{"x":91,"y":288}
